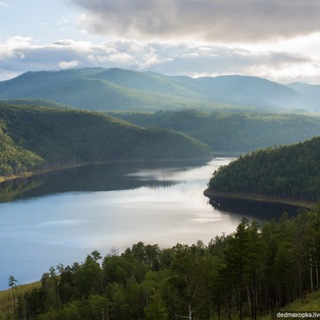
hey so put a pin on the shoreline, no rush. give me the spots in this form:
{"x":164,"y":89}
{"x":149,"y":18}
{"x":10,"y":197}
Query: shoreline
{"x":257,"y":198}
{"x":28,"y":174}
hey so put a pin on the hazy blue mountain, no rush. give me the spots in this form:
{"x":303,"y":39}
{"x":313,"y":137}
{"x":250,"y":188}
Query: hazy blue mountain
{"x":306,"y":89}
{"x":119,"y":89}
{"x":249,"y":91}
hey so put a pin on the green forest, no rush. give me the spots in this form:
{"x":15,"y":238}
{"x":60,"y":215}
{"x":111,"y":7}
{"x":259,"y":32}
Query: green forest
{"x":255,"y":271}
{"x":232,"y":131}
{"x":39,"y":138}
{"x":102,"y":89}
{"x":290,"y":172}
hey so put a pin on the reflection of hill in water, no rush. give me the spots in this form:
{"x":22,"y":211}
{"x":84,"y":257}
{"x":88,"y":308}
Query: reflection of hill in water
{"x":101,"y":177}
{"x":255,"y":209}
{"x":12,"y":190}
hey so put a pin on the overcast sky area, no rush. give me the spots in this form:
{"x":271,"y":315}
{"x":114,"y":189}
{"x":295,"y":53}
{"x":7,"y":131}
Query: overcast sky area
{"x":275,"y":39}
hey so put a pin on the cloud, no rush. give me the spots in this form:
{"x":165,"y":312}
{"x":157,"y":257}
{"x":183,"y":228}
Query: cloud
{"x":68,"y":64}
{"x":21,"y":54}
{"x":4,"y":4}
{"x":212,"y":20}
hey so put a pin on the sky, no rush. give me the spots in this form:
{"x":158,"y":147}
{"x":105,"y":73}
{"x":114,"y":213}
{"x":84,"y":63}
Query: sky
{"x":274,"y":39}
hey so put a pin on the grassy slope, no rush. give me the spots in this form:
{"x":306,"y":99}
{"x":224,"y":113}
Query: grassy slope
{"x":310,"y":303}
{"x":7,"y":301}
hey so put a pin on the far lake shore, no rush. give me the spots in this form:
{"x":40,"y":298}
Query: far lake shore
{"x":214,"y":195}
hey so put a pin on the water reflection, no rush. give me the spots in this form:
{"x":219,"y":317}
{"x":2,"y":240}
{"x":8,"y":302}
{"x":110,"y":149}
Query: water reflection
{"x":255,"y":209}
{"x":100,"y":177}
{"x":62,"y":216}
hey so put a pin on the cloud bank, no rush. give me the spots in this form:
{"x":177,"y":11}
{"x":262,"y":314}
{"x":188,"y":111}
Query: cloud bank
{"x":172,"y":59}
{"x":211,"y":20}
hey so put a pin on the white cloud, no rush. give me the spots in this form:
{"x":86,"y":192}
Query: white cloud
{"x":68,"y":64}
{"x":21,"y":54}
{"x":4,"y":4}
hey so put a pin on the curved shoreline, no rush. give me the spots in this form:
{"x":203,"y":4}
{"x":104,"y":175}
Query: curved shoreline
{"x":257,"y":198}
{"x":29,"y":174}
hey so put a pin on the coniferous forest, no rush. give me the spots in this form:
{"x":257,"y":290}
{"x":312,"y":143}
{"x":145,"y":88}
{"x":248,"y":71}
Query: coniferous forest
{"x":255,"y":271}
{"x":290,"y":172}
{"x":37,"y":138}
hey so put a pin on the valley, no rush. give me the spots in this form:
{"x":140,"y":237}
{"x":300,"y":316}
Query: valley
{"x":97,"y":159}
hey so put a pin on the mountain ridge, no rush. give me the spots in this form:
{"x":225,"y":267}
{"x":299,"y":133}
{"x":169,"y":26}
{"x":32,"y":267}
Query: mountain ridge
{"x":104,"y":89}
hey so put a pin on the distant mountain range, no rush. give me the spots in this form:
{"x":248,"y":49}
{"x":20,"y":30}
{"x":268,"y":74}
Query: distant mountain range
{"x":118,"y":89}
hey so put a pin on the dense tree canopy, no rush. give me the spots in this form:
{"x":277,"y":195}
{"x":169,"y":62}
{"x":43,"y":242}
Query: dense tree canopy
{"x":233,"y":131}
{"x":37,"y":137}
{"x":14,"y":158}
{"x":286,"y":172}
{"x":258,"y":268}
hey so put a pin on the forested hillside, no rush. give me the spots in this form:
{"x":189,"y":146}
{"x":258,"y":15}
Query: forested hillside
{"x":291,"y":172}
{"x":119,"y":89}
{"x":35,"y":138}
{"x":232,"y":131}
{"x":14,"y":158}
{"x":248,"y":274}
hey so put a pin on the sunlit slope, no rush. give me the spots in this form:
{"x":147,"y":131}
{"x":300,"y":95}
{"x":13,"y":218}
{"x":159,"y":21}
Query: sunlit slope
{"x":233,"y":132}
{"x":57,"y":137}
{"x":119,"y":89}
{"x":14,"y":158}
{"x":103,"y":89}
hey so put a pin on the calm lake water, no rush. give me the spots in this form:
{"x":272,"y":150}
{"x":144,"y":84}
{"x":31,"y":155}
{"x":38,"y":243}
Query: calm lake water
{"x":62,"y":217}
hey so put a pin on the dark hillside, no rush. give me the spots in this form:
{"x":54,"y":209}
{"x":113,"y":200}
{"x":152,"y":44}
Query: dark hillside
{"x":291,"y":172}
{"x":58,"y":137}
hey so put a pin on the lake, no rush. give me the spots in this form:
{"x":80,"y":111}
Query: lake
{"x":63,"y":216}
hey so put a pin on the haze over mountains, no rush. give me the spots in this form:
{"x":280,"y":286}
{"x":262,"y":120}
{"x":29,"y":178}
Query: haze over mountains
{"x":119,"y":89}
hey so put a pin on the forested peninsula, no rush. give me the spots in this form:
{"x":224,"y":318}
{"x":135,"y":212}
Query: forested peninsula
{"x":34,"y":138}
{"x":288,"y":172}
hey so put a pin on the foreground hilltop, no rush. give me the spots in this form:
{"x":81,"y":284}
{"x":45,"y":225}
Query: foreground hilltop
{"x":290,"y":172}
{"x":119,"y":89}
{"x":257,"y":271}
{"x":37,"y":138}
